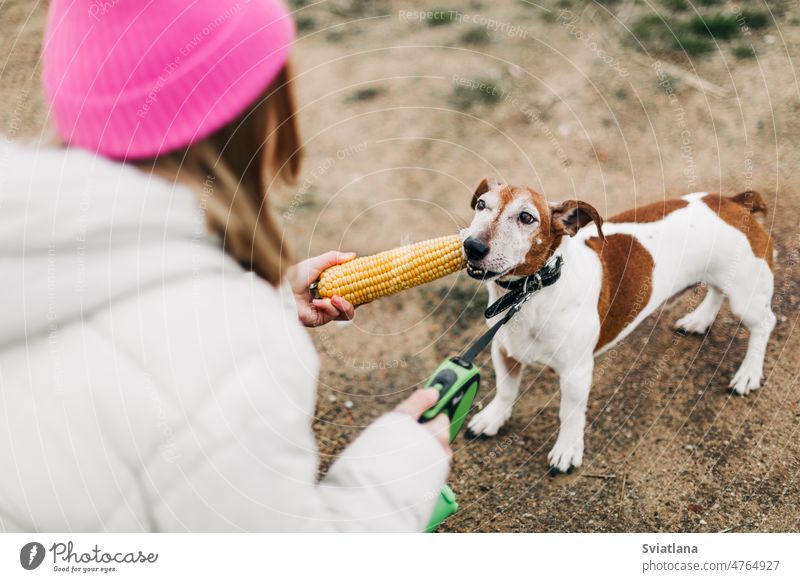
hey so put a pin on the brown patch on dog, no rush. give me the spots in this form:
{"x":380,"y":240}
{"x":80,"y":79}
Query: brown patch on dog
{"x":544,"y":210}
{"x":650,"y":212}
{"x":538,"y":253}
{"x":738,"y":212}
{"x":627,"y":283}
{"x":564,"y":219}
{"x":482,"y":189}
{"x":513,"y":365}
{"x":505,"y":196}
{"x":751,"y":200}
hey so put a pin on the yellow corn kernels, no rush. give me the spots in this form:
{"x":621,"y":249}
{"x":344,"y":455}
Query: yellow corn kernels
{"x":366,"y":278}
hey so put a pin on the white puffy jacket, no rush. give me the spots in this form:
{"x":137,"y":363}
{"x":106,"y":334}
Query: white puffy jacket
{"x":148,"y":383}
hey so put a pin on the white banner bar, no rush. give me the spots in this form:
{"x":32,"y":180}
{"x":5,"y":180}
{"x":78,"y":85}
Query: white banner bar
{"x":241,"y":557}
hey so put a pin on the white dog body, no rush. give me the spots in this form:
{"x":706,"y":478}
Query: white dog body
{"x":608,"y":286}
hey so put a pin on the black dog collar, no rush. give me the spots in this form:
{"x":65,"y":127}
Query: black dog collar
{"x":520,"y":290}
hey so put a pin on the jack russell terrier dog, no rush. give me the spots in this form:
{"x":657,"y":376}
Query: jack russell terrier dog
{"x":611,"y":280}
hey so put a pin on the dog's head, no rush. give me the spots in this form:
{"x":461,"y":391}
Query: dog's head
{"x":515,"y":231}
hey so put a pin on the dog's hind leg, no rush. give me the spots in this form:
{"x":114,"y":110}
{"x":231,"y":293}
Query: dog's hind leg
{"x":750,"y":301}
{"x":699,"y":320}
{"x":575,"y":383}
{"x":508,"y":373}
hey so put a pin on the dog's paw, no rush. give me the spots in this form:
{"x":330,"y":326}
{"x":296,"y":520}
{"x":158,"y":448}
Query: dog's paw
{"x":693,"y":323}
{"x":489,"y":420}
{"x":555,"y":472}
{"x":564,"y":457}
{"x":747,"y":379}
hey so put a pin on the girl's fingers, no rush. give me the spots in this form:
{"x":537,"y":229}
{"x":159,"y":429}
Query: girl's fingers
{"x":418,"y":402}
{"x":346,"y":308}
{"x":308,"y":271}
{"x":440,"y":427}
{"x":325,"y":306}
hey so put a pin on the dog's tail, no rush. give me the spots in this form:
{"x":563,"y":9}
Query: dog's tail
{"x":751,"y":200}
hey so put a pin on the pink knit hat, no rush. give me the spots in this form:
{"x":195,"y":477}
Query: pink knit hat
{"x":135,"y":78}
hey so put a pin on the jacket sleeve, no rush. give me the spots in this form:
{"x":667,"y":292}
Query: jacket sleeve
{"x":261,"y":475}
{"x":388,"y":479}
{"x":243,"y":456}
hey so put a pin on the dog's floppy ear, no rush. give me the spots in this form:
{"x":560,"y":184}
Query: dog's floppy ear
{"x":485,"y":185}
{"x":569,"y":216}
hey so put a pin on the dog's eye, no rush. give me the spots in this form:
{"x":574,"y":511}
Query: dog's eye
{"x":526,"y":218}
{"x":480,"y":205}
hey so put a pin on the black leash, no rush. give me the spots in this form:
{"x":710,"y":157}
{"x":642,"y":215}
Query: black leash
{"x":519,"y":292}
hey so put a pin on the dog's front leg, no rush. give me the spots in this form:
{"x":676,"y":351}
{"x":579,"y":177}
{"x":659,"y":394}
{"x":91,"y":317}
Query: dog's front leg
{"x":575,"y":382}
{"x":508,"y":373}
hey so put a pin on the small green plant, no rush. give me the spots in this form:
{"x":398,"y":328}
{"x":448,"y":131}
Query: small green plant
{"x":691,"y":44}
{"x":755,"y":18}
{"x":677,"y":29}
{"x":365,"y":94}
{"x":744,"y":51}
{"x":305,"y":23}
{"x":720,"y":26}
{"x":653,"y":32}
{"x":476,"y":35}
{"x":441,"y":17}
{"x":478,"y":92}
{"x":341,"y":33}
{"x":675,"y":5}
{"x":657,"y":34}
{"x":548,"y":16}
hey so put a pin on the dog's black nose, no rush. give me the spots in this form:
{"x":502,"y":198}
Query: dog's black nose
{"x":475,"y":248}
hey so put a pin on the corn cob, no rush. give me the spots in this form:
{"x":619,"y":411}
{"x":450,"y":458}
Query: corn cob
{"x":366,"y":278}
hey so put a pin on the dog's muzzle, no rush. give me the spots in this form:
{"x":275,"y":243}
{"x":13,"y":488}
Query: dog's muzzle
{"x":476,"y":249}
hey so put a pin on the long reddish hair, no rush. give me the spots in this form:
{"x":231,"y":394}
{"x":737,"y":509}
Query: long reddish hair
{"x":231,"y":169}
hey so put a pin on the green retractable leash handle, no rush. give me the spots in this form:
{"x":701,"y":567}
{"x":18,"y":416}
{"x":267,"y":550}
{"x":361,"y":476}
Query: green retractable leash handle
{"x":457,"y":380}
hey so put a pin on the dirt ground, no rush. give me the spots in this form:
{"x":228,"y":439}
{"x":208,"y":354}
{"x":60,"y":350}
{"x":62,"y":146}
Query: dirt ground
{"x":402,"y":117}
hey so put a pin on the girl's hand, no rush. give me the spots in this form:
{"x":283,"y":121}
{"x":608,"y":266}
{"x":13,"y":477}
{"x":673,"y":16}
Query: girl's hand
{"x":419,"y":402}
{"x":315,"y":312}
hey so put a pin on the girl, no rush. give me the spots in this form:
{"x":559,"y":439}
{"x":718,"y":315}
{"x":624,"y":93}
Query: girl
{"x":154,"y":376}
